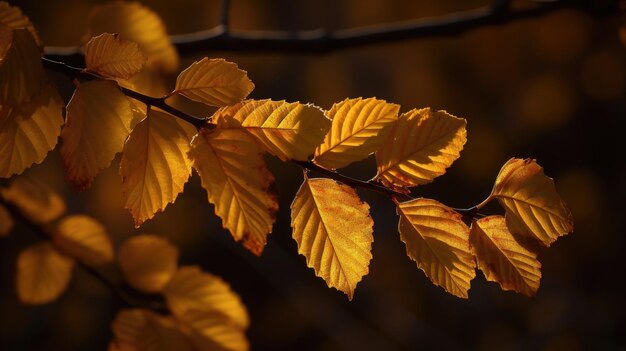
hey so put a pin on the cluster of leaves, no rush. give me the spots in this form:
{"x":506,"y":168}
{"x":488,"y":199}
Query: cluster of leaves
{"x":205,"y":313}
{"x":332,"y":226}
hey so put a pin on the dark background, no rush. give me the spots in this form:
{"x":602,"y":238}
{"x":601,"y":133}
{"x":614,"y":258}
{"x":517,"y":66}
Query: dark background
{"x":550,"y":88}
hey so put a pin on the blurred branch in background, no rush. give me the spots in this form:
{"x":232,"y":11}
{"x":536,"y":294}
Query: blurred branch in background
{"x":221,"y":38}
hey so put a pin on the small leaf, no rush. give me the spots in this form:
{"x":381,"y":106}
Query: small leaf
{"x":155,"y":165}
{"x":420,"y":147}
{"x":99,"y":119}
{"x":333,"y":229}
{"x":28,"y":132}
{"x":214,"y":82}
{"x":286,"y":130}
{"x":6,"y":221}
{"x":135,"y":22}
{"x":144,"y":330}
{"x":438,"y":241}
{"x":148,"y":262}
{"x":83,"y":238}
{"x":502,"y":258}
{"x":114,"y":57}
{"x":234,"y":174}
{"x":12,"y":17}
{"x":34,"y":200}
{"x":43,"y":273}
{"x":533,"y":207}
{"x":359,"y":127}
{"x":211,"y":330}
{"x":192,"y":289}
{"x":21,"y":72}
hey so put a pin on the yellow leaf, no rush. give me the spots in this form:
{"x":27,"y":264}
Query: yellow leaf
{"x":135,"y":22}
{"x":29,"y":131}
{"x":359,"y":127}
{"x":148,"y":262}
{"x":211,"y":330}
{"x":286,"y":130}
{"x":214,"y":82}
{"x":114,"y":57}
{"x":12,"y":17}
{"x":143,"y":330}
{"x":333,"y":229}
{"x":42,"y":273}
{"x":533,"y":207}
{"x":21,"y":72}
{"x":502,"y":258}
{"x":6,"y":221}
{"x":192,"y":289}
{"x":155,"y":165}
{"x":99,"y":119}
{"x":35,"y":201}
{"x":420,"y":147}
{"x":234,"y":174}
{"x":83,"y":238}
{"x":438,"y":241}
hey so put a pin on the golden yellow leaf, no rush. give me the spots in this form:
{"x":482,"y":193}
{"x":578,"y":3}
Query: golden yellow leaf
{"x":12,"y":17}
{"x":420,"y":147}
{"x":6,"y":221}
{"x":99,"y":119}
{"x":438,"y":241}
{"x":21,"y":71}
{"x":359,"y":127}
{"x":114,"y":57}
{"x":502,"y":258}
{"x":192,"y":289}
{"x":85,"y":239}
{"x":155,"y":165}
{"x":135,"y":22}
{"x":34,"y":200}
{"x":234,"y":174}
{"x":214,"y":82}
{"x":6,"y":38}
{"x":29,"y":131}
{"x":211,"y":330}
{"x":286,"y":130}
{"x":533,"y":207}
{"x":42,"y":273}
{"x":148,"y":262}
{"x":333,"y":229}
{"x":144,"y":330}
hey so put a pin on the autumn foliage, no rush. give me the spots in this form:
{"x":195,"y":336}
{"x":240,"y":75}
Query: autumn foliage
{"x":118,"y":107}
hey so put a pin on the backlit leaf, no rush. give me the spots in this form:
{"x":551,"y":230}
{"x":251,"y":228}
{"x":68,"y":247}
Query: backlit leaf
{"x":214,"y":82}
{"x":211,"y":330}
{"x":12,"y":17}
{"x":533,"y":207}
{"x":83,"y":238}
{"x":34,"y":200}
{"x":286,"y":130}
{"x":420,"y":147}
{"x":359,"y":127}
{"x":135,"y":22}
{"x":144,"y":330}
{"x":148,"y":262}
{"x":99,"y":119}
{"x":6,"y":221}
{"x":42,"y":273}
{"x":234,"y":174}
{"x":502,"y":258}
{"x":112,"y":56}
{"x":333,"y":229}
{"x":29,"y":131}
{"x":192,"y":289}
{"x":21,"y":72}
{"x":154,"y":166}
{"x":438,"y":241}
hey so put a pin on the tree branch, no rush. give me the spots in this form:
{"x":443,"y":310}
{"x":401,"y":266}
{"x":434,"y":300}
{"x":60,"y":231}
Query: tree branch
{"x":320,"y":41}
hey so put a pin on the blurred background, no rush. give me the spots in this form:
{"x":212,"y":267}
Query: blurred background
{"x":550,"y":88}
